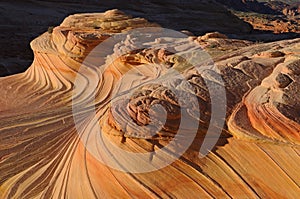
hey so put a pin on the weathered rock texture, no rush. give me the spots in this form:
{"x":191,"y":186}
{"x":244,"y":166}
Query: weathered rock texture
{"x":292,"y":10}
{"x":273,"y":16}
{"x":42,"y":155}
{"x":22,"y":21}
{"x":273,"y":23}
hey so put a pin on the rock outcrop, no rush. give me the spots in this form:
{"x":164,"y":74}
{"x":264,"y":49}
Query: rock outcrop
{"x":50,"y":140}
{"x":276,"y":23}
{"x":21,"y":21}
{"x":273,"y":16}
{"x":292,"y":10}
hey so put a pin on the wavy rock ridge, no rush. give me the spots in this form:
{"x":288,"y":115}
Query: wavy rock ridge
{"x":42,"y":153}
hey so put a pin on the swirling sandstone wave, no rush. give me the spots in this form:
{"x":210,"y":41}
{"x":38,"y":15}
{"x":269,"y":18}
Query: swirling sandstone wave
{"x":41,"y":151}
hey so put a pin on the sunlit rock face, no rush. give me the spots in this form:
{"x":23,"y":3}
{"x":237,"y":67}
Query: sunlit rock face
{"x":21,"y":22}
{"x":49,"y":138}
{"x":271,"y":110}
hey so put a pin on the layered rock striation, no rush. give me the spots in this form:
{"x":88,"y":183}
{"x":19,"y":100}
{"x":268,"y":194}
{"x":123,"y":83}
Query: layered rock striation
{"x":51,"y":114}
{"x":21,"y":21}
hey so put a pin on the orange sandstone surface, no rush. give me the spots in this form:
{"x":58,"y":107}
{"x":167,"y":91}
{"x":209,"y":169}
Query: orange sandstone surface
{"x":42,"y":148}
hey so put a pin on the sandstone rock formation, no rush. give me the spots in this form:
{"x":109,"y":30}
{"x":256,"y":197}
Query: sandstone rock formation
{"x":46,"y":149}
{"x":22,"y":21}
{"x":292,"y":10}
{"x":273,"y":16}
{"x":272,"y":23}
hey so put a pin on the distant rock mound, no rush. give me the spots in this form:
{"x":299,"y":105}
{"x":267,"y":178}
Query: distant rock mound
{"x":279,"y":6}
{"x":292,"y":10}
